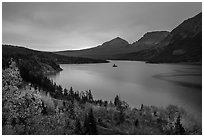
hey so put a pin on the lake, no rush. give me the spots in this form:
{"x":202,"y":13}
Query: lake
{"x":138,"y":83}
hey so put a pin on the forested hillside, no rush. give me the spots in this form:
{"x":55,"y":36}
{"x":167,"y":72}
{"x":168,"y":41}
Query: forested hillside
{"x":32,"y":104}
{"x":44,"y":60}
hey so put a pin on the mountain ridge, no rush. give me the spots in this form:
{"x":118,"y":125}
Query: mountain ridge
{"x":111,"y":48}
{"x":152,"y":46}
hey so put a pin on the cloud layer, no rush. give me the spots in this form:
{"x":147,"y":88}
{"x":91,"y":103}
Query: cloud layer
{"x":60,"y":26}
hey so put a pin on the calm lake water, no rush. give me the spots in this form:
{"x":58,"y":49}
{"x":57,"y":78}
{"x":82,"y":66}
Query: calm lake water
{"x":138,"y":83}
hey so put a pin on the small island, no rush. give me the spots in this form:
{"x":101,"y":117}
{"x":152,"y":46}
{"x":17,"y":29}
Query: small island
{"x":115,"y":65}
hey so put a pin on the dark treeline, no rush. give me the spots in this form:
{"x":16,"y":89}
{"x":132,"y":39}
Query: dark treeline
{"x":30,"y":72}
{"x":28,"y":57}
{"x":40,"y":81}
{"x":16,"y":52}
{"x":33,"y":66}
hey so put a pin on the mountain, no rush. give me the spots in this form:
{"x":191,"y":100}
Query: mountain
{"x":104,"y":51}
{"x":115,"y":43}
{"x":183,"y":44}
{"x":111,"y":49}
{"x":188,"y":28}
{"x":45,"y":62}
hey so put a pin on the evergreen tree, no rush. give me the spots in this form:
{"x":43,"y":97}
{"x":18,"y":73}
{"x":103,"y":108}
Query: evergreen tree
{"x":105,"y":103}
{"x":136,"y":123}
{"x":142,"y":107}
{"x":121,"y":116}
{"x":90,"y":96}
{"x":86,"y":125}
{"x":179,"y":130}
{"x":117,"y":101}
{"x":90,"y":124}
{"x":72,"y":114}
{"x":77,"y":96}
{"x":71,"y":93}
{"x":78,"y":128}
{"x":44,"y":109}
{"x":84,"y":97}
{"x":65,"y":92}
{"x":120,"y":106}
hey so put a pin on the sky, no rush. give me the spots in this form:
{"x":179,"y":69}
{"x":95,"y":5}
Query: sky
{"x":69,"y":26}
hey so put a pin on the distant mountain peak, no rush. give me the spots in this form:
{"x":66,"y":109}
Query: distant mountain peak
{"x":118,"y":39}
{"x":116,"y":42}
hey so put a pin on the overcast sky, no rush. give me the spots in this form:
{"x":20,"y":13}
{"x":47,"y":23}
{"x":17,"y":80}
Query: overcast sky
{"x":60,"y":26}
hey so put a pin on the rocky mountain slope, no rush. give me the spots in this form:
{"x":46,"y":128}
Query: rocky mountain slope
{"x":185,"y":43}
{"x":151,"y":39}
{"x":182,"y":44}
{"x":111,"y":49}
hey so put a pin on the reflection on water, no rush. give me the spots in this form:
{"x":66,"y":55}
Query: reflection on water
{"x":138,"y":83}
